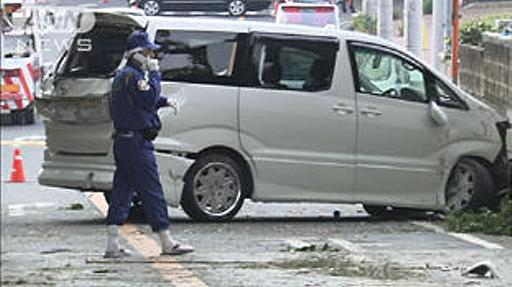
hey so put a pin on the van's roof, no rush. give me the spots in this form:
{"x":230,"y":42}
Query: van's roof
{"x":209,"y":24}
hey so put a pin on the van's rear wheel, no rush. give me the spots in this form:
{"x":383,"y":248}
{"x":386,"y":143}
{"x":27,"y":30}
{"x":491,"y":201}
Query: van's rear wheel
{"x":29,"y":115}
{"x":215,"y":188}
{"x":137,"y":213}
{"x":469,"y":186}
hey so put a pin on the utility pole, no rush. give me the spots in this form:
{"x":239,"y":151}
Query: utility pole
{"x":385,"y":19}
{"x":455,"y":40}
{"x":369,"y":8}
{"x":413,"y":22}
{"x":438,"y":33}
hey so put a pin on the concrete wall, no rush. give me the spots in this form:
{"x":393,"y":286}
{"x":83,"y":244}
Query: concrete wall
{"x":471,"y":69}
{"x":487,"y":72}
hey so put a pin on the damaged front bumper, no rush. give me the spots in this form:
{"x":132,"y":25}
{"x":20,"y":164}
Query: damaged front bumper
{"x":172,"y":170}
{"x":501,"y":169}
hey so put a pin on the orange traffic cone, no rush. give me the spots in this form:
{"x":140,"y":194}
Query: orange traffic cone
{"x":17,"y":172}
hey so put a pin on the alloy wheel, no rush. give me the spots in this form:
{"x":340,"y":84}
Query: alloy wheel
{"x":461,"y":188}
{"x":236,"y":7}
{"x":151,"y":8}
{"x":217,"y":189}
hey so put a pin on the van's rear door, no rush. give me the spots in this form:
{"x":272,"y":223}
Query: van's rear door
{"x":75,"y":105}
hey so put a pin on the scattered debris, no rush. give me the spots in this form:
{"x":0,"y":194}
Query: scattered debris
{"x":484,"y":269}
{"x":56,"y":250}
{"x":336,"y":213}
{"x":103,"y":271}
{"x":75,"y":206}
{"x":335,"y":264}
{"x":301,"y":246}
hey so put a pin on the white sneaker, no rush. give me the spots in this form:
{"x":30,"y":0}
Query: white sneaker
{"x":178,"y":249}
{"x":114,"y":249}
{"x":119,"y":253}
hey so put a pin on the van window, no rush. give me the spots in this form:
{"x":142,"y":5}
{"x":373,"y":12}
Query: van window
{"x":446,"y":97}
{"x":293,"y":64}
{"x":97,"y":53}
{"x":197,"y":57}
{"x":18,"y":45}
{"x":386,"y":75}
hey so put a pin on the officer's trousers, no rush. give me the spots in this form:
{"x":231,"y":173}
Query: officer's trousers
{"x":136,"y":171}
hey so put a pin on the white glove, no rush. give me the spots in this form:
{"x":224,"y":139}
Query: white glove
{"x":176,"y":104}
{"x":152,"y":65}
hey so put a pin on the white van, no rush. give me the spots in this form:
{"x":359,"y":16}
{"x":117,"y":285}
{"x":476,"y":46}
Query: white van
{"x":278,"y":113}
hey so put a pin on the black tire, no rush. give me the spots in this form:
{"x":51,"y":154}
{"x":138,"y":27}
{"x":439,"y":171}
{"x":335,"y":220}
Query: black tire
{"x":17,"y":117}
{"x":151,"y":7}
{"x":479,"y":194}
{"x":202,"y":167}
{"x":29,"y":115}
{"x":237,"y":8}
{"x":137,"y":213}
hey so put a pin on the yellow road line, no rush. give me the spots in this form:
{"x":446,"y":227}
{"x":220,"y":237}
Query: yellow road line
{"x":23,"y":143}
{"x":168,"y":267}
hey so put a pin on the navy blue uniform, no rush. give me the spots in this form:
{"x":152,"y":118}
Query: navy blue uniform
{"x":135,"y":101}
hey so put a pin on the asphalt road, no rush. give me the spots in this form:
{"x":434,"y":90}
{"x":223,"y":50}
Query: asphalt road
{"x":55,"y":237}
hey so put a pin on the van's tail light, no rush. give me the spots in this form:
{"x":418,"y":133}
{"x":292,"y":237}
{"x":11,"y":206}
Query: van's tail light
{"x":11,"y":73}
{"x":36,"y":73}
{"x":291,"y":9}
{"x":11,"y":8}
{"x":324,"y":9}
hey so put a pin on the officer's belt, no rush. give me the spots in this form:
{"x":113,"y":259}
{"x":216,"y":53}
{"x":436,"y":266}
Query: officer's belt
{"x":123,"y":134}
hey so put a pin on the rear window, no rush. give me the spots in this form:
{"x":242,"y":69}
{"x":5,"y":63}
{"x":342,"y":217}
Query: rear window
{"x":286,"y":64}
{"x":18,"y":45}
{"x":97,"y":53}
{"x":319,"y":16}
{"x":197,"y":57}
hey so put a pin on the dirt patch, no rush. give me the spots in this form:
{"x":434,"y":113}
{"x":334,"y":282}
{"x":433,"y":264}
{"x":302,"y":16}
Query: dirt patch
{"x":339,"y":265}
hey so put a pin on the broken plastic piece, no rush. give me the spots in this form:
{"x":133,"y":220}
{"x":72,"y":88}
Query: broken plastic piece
{"x":484,"y":269}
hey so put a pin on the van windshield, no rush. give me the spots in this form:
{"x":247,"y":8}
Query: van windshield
{"x":97,"y":53}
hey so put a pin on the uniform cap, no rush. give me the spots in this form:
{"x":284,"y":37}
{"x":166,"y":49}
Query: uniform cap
{"x":139,"y":39}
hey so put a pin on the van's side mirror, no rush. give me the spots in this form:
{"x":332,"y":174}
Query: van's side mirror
{"x":437,"y":114}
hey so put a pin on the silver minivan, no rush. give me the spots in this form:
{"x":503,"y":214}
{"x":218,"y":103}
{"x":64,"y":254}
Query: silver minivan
{"x":278,"y":113}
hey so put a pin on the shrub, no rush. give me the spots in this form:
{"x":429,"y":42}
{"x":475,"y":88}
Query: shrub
{"x":471,"y":32}
{"x":365,"y":24}
{"x":483,"y":221}
{"x":427,"y":7}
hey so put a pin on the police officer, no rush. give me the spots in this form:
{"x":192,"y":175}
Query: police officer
{"x":135,"y":101}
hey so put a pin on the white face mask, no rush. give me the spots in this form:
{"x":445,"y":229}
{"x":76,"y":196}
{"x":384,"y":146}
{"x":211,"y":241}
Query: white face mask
{"x":141,"y":59}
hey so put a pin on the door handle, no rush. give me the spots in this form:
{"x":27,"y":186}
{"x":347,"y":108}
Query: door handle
{"x":371,"y":112}
{"x":343,"y":109}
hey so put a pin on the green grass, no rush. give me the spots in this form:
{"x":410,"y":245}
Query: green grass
{"x":483,"y":221}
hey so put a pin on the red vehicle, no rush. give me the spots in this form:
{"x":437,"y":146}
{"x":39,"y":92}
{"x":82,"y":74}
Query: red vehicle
{"x":20,"y":71}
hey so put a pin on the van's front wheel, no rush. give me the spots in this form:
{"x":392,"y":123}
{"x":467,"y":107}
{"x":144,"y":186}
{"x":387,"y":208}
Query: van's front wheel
{"x":237,"y":7}
{"x":469,"y":186}
{"x":151,"y":7}
{"x":214,"y":188}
